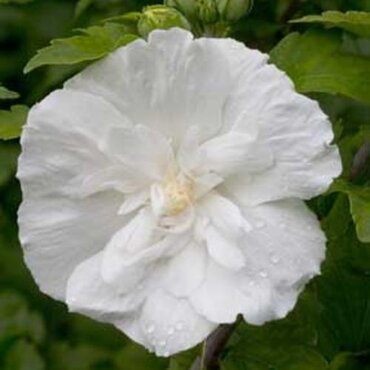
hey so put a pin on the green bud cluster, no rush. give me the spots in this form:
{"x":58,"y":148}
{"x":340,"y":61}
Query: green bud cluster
{"x":186,"y":7}
{"x":207,"y":11}
{"x":161,"y":17}
{"x":211,"y":11}
{"x":233,"y":10}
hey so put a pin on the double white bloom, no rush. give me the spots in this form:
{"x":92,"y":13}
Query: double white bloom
{"x":162,"y":189}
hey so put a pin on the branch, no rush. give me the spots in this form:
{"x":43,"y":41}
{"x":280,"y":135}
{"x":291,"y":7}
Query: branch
{"x":214,"y":345}
{"x":361,"y":163}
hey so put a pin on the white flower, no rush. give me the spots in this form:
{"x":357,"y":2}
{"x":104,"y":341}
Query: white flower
{"x":163,"y":186}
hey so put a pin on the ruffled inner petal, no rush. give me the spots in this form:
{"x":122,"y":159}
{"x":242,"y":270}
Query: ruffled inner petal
{"x":225,"y":215}
{"x":185,"y":272}
{"x":88,"y":293}
{"x":137,"y":250}
{"x":219,"y":298}
{"x":224,"y":251}
{"x":235,"y":152}
{"x":141,"y":148}
{"x":129,"y":248}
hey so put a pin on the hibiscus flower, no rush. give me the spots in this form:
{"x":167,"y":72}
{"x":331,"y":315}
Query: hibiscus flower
{"x":164,"y":187}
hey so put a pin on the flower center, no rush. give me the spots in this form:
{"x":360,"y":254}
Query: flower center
{"x":178,"y":195}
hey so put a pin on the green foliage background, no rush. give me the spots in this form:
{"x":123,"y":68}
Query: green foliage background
{"x":327,"y":57}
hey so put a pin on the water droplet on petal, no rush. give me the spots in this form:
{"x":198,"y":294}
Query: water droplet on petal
{"x":305,"y":160}
{"x":150,"y":329}
{"x":162,"y":343}
{"x":263,"y":274}
{"x":274,"y":259}
{"x":171,"y":330}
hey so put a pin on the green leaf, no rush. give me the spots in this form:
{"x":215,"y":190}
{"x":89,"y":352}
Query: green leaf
{"x":286,"y":344}
{"x":352,"y":21}
{"x":23,"y":356}
{"x":280,"y":358}
{"x":314,"y":62}
{"x":80,"y":357}
{"x":347,"y":361}
{"x":8,"y":159}
{"x":11,"y":121}
{"x":359,"y":198}
{"x":184,"y":360}
{"x":343,"y":289}
{"x":94,"y":43}
{"x":143,"y":360}
{"x":16,"y":320}
{"x":7,"y":94}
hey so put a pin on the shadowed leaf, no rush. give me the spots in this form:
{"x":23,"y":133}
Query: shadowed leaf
{"x":94,"y":43}
{"x":314,"y":62}
{"x":352,"y":21}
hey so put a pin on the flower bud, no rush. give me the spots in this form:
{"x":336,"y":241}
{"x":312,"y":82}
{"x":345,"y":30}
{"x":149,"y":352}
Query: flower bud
{"x":232,"y":10}
{"x":186,"y":7}
{"x":160,"y":17}
{"x":207,"y":11}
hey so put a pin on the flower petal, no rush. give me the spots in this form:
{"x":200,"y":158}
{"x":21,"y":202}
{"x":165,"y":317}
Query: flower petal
{"x":188,"y":155}
{"x":167,"y":83}
{"x":133,"y":201}
{"x":223,"y":214}
{"x":292,"y":126}
{"x":205,"y":183}
{"x":123,"y":252}
{"x":171,"y":324}
{"x":263,"y":95}
{"x":286,"y":241}
{"x":135,"y":250}
{"x":224,"y":251}
{"x":60,"y":147}
{"x":141,"y":147}
{"x":232,"y":152}
{"x":185,"y":271}
{"x":57,"y":234}
{"x":283,"y":251}
{"x":60,"y":142}
{"x":111,"y":177}
{"x":219,"y":298}
{"x":88,"y":293}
